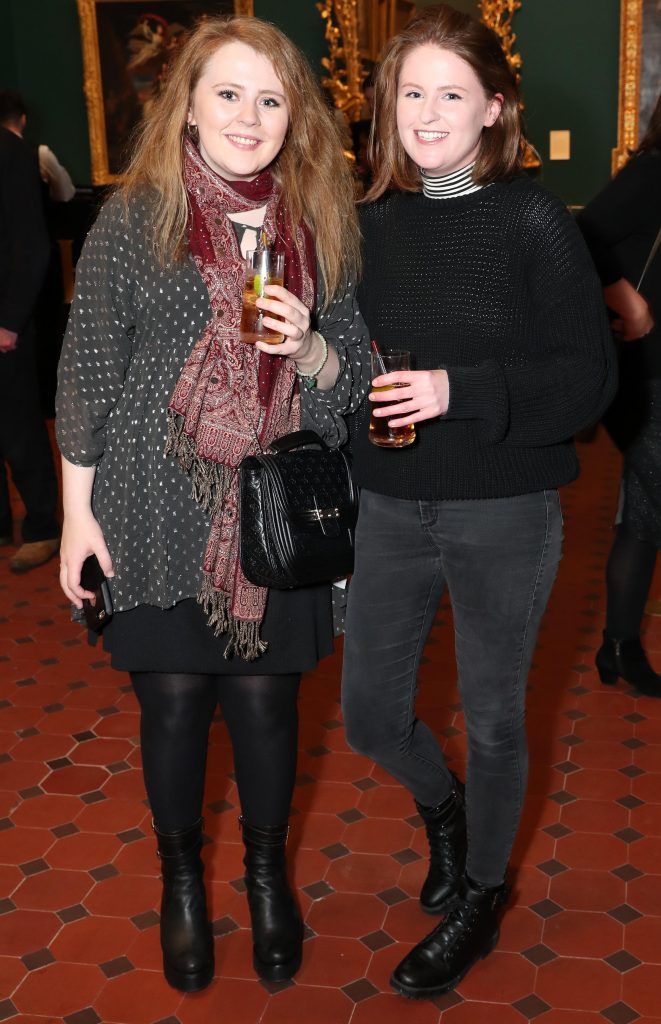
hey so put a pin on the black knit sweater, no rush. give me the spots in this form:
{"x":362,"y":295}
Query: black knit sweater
{"x":498,"y":288}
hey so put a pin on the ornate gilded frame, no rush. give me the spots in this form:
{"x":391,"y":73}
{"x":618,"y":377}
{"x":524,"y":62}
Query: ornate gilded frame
{"x":631,"y":38}
{"x":93,"y":85}
{"x":344,"y":65}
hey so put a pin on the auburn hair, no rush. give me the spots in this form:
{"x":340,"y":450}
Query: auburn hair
{"x":500,"y":153}
{"x":311,"y":168}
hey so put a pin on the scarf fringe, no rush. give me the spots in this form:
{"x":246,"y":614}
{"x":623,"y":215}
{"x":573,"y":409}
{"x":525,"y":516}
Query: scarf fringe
{"x":242,"y":637}
{"x":209,"y":480}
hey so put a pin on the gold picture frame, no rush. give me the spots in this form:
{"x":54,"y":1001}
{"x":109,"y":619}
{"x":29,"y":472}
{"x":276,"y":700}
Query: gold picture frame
{"x":640,"y":78}
{"x":631,"y":35}
{"x":113,"y":112}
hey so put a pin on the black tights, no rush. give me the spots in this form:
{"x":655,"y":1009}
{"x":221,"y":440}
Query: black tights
{"x":628,"y":579}
{"x":262,"y":720}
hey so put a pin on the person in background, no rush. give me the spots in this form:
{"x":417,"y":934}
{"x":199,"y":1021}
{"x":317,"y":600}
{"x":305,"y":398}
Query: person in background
{"x":61,"y":189}
{"x":24,"y":443}
{"x":56,"y":177}
{"x":360,"y":130}
{"x":620,"y":226}
{"x":484,"y":276}
{"x":159,"y":401}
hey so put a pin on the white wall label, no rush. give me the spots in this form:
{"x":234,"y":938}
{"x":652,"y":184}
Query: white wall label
{"x":560,"y":145}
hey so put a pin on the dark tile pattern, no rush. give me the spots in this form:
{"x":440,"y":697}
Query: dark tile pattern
{"x":79,"y":888}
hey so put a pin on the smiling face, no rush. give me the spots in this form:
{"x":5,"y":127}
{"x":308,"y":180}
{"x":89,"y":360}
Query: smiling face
{"x":442,"y":109}
{"x":240,"y":109}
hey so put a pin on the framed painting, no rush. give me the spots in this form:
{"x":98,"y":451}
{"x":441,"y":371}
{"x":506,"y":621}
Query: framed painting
{"x":640,"y":73}
{"x":127,"y":46}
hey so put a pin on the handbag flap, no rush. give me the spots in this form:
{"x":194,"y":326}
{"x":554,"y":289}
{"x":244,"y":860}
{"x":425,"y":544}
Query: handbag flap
{"x":309,"y":482}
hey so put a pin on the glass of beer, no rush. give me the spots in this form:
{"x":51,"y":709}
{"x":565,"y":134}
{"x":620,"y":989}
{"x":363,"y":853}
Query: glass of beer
{"x":263,"y":266}
{"x":380,"y":433}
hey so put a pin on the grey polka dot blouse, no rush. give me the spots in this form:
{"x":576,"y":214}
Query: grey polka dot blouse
{"x":131,"y":328}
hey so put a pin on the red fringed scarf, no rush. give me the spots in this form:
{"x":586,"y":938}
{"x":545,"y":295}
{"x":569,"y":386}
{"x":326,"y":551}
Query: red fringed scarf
{"x":231,"y":400}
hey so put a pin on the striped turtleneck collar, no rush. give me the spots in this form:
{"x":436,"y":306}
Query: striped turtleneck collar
{"x":459,"y":183}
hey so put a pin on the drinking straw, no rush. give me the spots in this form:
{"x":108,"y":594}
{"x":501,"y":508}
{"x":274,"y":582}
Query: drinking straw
{"x":379,"y":358}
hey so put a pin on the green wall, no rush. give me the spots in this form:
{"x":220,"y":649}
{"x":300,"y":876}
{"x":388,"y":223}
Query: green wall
{"x":45,"y":66}
{"x":570,"y":50}
{"x":570,"y":76}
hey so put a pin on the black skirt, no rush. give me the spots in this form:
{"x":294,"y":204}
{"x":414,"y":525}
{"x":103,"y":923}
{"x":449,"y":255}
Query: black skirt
{"x":297,"y":627}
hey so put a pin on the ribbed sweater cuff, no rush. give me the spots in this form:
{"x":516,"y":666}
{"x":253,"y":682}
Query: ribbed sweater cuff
{"x":479,"y":393}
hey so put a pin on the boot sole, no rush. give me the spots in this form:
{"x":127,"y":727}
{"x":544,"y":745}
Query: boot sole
{"x":276,"y":972}
{"x":438,"y":990}
{"x":188,"y":982}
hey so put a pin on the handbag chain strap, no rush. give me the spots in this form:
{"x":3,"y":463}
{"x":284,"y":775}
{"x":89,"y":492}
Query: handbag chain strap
{"x":648,"y":264}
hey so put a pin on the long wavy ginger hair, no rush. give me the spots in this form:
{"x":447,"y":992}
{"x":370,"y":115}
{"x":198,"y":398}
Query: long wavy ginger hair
{"x":314,"y":175}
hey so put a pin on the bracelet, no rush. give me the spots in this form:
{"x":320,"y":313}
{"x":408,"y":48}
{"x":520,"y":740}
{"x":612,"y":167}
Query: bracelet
{"x":309,"y":379}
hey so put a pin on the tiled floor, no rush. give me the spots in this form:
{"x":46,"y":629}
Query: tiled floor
{"x":78,"y":875}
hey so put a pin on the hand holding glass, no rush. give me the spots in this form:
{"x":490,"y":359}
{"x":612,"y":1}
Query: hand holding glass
{"x":263,"y":267}
{"x":380,"y":432}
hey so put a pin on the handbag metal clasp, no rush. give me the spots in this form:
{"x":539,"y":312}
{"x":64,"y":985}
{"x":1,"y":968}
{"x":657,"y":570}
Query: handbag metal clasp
{"x":322,"y":515}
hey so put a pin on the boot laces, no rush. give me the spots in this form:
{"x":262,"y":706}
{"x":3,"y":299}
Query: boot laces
{"x":456,"y":927}
{"x":441,"y":848}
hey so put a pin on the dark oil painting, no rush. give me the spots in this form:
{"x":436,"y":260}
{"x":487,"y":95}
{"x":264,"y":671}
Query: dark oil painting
{"x":650,"y":64}
{"x":136,"y":44}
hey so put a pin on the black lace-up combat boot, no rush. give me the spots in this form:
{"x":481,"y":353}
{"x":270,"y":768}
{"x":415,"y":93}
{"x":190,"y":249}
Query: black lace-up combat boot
{"x":468,"y":933}
{"x":446,"y":831}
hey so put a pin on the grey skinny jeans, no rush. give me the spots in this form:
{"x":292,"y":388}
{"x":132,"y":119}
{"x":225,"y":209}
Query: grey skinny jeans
{"x":498,"y":558}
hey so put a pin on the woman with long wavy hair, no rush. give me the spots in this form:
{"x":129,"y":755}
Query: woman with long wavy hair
{"x":159,"y":401}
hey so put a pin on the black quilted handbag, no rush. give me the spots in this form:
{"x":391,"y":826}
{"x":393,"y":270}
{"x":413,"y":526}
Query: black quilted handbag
{"x":298,"y":511}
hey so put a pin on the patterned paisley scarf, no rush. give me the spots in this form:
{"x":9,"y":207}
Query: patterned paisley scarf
{"x":231,"y":400}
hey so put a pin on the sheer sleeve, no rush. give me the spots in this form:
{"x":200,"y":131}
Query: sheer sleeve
{"x":344,"y":328}
{"x":98,"y":340}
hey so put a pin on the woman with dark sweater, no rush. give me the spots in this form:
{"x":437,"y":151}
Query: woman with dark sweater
{"x":620,"y":226}
{"x":485,"y":278}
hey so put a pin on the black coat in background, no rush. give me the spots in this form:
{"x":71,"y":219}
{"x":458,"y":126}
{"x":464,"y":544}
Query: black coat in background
{"x":620,"y":225}
{"x":24,"y":244}
{"x":24,"y":251}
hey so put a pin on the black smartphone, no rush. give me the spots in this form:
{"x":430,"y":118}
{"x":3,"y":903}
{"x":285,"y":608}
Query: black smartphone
{"x":99,"y":611}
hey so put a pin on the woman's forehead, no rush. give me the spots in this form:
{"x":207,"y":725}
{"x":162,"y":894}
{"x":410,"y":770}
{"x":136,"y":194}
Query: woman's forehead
{"x":437,"y":62}
{"x":241,"y":60}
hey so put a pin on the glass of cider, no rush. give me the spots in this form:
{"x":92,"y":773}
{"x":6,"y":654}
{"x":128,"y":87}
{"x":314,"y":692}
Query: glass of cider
{"x":263,"y":266}
{"x":380,"y":432}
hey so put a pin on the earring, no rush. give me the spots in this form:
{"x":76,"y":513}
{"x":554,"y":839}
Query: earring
{"x":193,"y":132}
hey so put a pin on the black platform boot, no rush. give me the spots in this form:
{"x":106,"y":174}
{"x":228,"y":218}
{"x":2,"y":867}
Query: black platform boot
{"x":626,"y":658}
{"x":468,"y":933}
{"x":277,"y":928}
{"x":446,"y":831}
{"x":186,"y":939}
